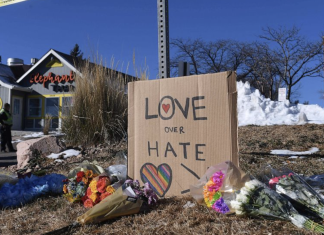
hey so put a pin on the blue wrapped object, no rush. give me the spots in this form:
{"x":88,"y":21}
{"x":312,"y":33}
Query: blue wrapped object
{"x":28,"y":189}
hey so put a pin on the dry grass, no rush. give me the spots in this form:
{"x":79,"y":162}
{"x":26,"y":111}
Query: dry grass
{"x":99,"y":110}
{"x":169,"y":217}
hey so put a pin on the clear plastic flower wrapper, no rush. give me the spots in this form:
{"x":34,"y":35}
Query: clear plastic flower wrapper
{"x":216,"y":188}
{"x":127,"y":200}
{"x":295,"y":188}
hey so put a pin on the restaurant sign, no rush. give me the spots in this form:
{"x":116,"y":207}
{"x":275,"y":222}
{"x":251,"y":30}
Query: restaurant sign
{"x":37,"y":78}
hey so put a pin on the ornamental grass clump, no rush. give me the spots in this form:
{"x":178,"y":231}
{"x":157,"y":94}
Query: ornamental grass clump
{"x":98,"y":111}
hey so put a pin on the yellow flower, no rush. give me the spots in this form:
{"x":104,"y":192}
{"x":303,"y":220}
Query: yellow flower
{"x":110,"y":189}
{"x":69,"y":197}
{"x":93,"y":186}
{"x":93,"y":197}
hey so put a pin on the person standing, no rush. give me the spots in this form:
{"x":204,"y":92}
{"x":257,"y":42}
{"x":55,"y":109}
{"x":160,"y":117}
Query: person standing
{"x":5,"y":129}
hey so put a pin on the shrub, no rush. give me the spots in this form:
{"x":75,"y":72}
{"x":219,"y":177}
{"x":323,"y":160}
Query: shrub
{"x":99,"y":107}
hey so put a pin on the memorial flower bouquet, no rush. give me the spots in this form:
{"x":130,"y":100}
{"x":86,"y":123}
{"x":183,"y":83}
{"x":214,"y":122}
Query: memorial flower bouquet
{"x":257,"y":200}
{"x":212,"y":193}
{"x":99,"y":188}
{"x":75,"y":188}
{"x":129,"y":199}
{"x":216,"y":187}
{"x":295,"y":188}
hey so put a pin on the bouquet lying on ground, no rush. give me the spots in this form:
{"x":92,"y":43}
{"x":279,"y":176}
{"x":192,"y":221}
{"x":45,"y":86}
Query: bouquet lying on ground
{"x":29,"y":188}
{"x":216,"y":187}
{"x":99,"y":188}
{"x":129,"y":199}
{"x":75,"y":188}
{"x":296,"y":189}
{"x":257,"y":200}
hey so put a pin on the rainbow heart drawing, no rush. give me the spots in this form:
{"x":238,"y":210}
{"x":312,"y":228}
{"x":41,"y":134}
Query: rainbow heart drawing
{"x":159,"y":178}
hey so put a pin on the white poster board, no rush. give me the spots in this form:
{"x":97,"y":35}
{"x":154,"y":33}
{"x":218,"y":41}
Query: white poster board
{"x":282,"y":94}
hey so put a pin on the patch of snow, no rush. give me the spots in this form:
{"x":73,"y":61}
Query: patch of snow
{"x":41,"y":134}
{"x":283,"y":152}
{"x":189,"y":204}
{"x":65,"y":154}
{"x":293,"y":157}
{"x":254,"y":109}
{"x":16,"y":141}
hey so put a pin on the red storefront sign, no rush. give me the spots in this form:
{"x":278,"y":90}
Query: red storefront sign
{"x":37,"y":78}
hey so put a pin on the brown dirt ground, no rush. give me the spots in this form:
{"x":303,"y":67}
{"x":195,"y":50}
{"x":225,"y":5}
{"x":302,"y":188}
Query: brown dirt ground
{"x":169,"y":217}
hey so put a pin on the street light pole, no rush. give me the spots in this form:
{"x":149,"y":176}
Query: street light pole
{"x":163,"y":38}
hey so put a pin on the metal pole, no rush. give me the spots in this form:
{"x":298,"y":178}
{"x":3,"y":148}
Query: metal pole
{"x":163,"y":38}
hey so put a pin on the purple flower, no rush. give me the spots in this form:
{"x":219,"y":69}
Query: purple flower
{"x":220,"y":206}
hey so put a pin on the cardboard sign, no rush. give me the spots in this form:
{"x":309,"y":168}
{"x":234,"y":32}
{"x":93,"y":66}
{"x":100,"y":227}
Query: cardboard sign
{"x":178,"y":127}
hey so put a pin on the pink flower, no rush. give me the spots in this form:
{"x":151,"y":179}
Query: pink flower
{"x":273,"y":182}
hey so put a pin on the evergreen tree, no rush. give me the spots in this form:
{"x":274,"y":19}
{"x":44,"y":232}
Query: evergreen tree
{"x":76,"y":52}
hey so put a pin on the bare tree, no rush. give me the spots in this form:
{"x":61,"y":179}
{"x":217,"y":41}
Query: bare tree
{"x":293,"y":57}
{"x":207,"y":57}
{"x":261,"y":72}
{"x":187,"y":50}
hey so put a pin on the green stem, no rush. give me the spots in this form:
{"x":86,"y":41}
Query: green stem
{"x":312,"y":226}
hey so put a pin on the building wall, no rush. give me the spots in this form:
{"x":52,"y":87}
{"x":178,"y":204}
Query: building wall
{"x":4,"y":95}
{"x":46,"y":93}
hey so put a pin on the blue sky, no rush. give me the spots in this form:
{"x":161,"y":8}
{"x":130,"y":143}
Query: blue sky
{"x":120,"y":28}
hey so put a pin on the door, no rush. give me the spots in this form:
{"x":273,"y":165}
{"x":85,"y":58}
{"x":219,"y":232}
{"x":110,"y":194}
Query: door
{"x":52,"y":109}
{"x":17,"y":113}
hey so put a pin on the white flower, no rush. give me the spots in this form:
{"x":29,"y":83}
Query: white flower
{"x":236,"y":205}
{"x":239,"y":212}
{"x":241,"y":198}
{"x":298,"y":220}
{"x":250,"y":185}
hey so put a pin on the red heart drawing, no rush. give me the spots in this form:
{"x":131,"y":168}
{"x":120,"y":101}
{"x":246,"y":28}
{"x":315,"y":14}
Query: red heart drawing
{"x":166,"y":107}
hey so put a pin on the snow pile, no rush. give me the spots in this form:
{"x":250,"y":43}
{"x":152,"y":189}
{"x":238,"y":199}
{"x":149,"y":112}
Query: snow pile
{"x":254,"y":109}
{"x":65,"y":154}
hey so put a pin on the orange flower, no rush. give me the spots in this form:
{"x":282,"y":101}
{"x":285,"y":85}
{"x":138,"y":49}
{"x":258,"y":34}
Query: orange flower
{"x":89,"y":174}
{"x":88,"y":203}
{"x":65,"y":190}
{"x":88,"y":192}
{"x":102,"y":184}
{"x":104,"y":195}
{"x":85,"y":180}
{"x":110,"y":189}
{"x":94,"y":197}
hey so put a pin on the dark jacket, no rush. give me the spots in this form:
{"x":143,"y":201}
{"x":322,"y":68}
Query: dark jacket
{"x":3,"y":116}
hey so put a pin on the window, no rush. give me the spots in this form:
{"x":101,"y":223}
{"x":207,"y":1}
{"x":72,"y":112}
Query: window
{"x":67,"y":103}
{"x":52,"y":106}
{"x":34,"y":107}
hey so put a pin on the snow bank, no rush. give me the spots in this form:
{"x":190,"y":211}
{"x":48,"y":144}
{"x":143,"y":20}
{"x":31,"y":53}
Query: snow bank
{"x":254,"y":109}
